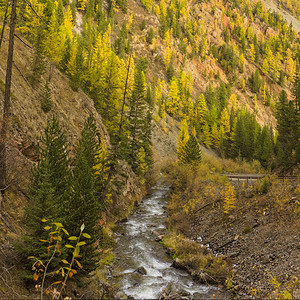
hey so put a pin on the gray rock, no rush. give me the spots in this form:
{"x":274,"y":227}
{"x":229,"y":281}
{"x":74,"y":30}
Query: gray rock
{"x":234,"y":254}
{"x":141,"y":270}
{"x":159,"y":238}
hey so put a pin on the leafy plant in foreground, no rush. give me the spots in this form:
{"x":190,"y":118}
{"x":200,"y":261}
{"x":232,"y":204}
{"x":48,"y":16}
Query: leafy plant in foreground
{"x":56,"y":247}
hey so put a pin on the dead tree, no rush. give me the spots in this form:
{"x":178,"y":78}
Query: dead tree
{"x":6,"y":105}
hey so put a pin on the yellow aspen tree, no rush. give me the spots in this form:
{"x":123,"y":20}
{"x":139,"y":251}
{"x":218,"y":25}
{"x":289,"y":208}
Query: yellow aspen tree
{"x":243,"y":84}
{"x":130,"y":80}
{"x":225,"y":121}
{"x":265,"y":67}
{"x":229,"y":196}
{"x":206,"y":136}
{"x":51,"y":41}
{"x":270,"y":57}
{"x":156,"y":10}
{"x":201,"y":113}
{"x":68,"y":24}
{"x":33,"y":22}
{"x":82,"y":4}
{"x":276,"y":64}
{"x":215,"y":135}
{"x":290,"y":65}
{"x":158,"y":92}
{"x":167,"y":38}
{"x":183,"y":136}
{"x":167,"y":57}
{"x":232,"y":102}
{"x":162,"y":7}
{"x":252,"y":53}
{"x":172,"y":102}
{"x":129,"y":22}
{"x":241,"y":62}
{"x":204,"y":48}
{"x":163,"y":118}
{"x":148,"y":4}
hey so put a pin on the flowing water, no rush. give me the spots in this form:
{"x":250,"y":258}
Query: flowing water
{"x":137,"y":248}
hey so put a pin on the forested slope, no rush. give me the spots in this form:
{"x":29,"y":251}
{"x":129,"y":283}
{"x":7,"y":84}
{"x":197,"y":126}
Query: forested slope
{"x":222,"y":74}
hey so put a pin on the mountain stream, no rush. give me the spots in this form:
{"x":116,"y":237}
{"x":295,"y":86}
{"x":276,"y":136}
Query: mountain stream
{"x":143,"y":269}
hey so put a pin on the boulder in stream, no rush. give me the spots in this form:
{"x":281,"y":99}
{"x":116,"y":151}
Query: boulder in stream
{"x":141,"y":270}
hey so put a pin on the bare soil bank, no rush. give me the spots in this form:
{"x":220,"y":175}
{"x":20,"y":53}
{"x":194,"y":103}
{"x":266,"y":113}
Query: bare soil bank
{"x":261,"y":239}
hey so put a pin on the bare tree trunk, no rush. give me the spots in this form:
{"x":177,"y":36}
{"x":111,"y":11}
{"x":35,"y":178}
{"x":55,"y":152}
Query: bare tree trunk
{"x":4,"y":23}
{"x":6,"y":106}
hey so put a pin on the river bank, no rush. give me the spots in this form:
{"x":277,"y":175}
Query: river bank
{"x":259,"y":232}
{"x":143,"y":269}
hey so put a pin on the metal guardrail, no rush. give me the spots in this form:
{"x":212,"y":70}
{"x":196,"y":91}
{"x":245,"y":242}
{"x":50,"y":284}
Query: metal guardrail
{"x":252,"y":177}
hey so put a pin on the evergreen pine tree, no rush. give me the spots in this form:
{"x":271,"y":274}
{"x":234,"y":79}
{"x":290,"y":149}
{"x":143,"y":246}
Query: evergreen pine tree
{"x":286,"y":141}
{"x":45,"y":96}
{"x":265,"y":153}
{"x":138,"y":121}
{"x":84,"y":206}
{"x":191,"y":152}
{"x":50,"y":191}
{"x":38,"y":64}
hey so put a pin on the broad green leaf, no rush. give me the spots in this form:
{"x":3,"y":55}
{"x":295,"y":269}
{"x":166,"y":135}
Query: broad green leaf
{"x":82,"y":227}
{"x":81,"y":244}
{"x":69,"y":246}
{"x":86,"y":235}
{"x":72,"y":238}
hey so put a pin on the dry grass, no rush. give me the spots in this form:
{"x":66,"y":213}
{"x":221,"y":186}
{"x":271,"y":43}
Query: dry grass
{"x":198,"y":260}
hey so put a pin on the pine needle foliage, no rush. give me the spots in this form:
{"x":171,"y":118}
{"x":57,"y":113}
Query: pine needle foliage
{"x":45,"y":96}
{"x":50,"y":190}
{"x":84,"y":206}
{"x":191,"y":152}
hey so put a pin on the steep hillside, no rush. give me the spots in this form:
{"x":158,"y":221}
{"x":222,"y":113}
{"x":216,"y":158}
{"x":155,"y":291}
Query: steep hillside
{"x":159,"y":77}
{"x":27,"y":123}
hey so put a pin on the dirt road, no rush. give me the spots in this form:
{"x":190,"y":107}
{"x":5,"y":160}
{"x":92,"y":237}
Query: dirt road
{"x":271,"y":4}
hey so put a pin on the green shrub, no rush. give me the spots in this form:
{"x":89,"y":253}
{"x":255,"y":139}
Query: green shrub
{"x":46,"y":102}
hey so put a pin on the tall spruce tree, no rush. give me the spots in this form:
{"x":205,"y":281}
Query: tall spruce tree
{"x":191,"y":152}
{"x":286,"y":123}
{"x":84,"y":206}
{"x":138,"y":121}
{"x":50,"y":190}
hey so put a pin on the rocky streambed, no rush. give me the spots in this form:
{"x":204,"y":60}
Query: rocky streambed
{"x":143,"y":269}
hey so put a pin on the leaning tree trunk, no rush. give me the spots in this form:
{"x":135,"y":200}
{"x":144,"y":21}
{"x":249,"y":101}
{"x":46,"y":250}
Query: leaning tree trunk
{"x":6,"y":106}
{"x":4,"y":23}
